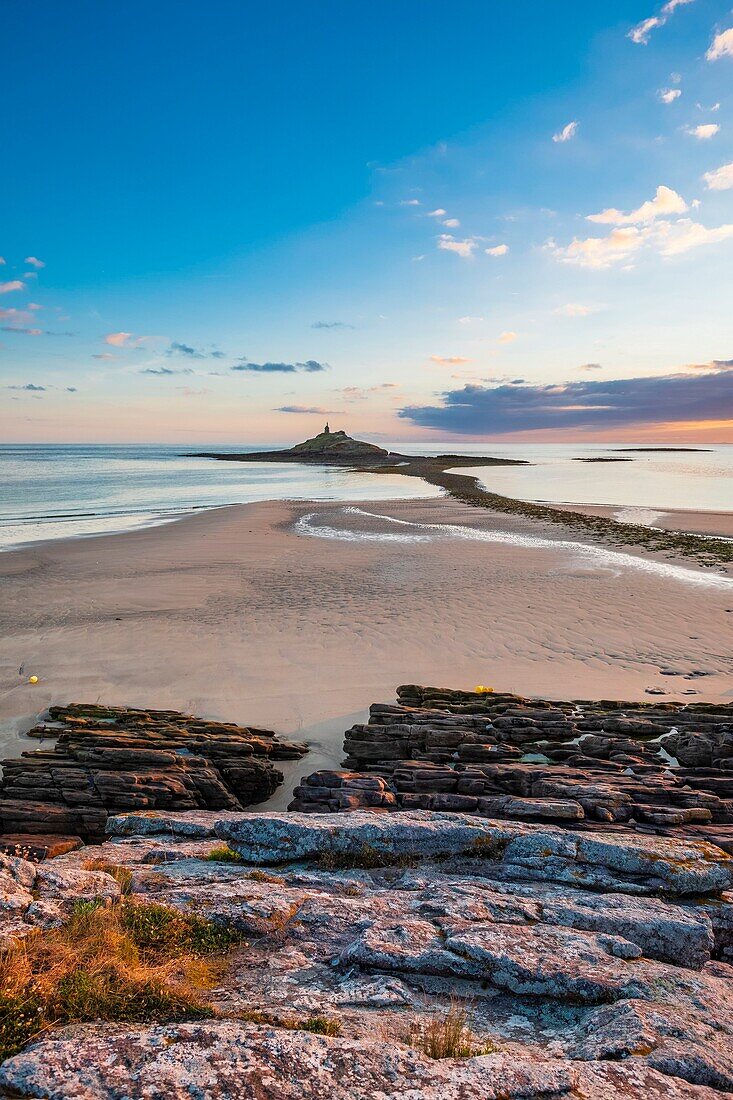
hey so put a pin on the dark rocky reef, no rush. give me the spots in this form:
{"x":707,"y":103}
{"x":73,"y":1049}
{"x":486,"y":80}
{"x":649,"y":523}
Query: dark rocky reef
{"x":109,"y":759}
{"x":659,"y":768}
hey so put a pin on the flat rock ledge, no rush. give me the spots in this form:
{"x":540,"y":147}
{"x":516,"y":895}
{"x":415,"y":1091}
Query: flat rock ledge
{"x":655,"y":768}
{"x":107,"y":759}
{"x":588,"y":965}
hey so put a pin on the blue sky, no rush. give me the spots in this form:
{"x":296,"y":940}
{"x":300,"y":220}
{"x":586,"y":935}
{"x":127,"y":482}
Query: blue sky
{"x":217,"y":217}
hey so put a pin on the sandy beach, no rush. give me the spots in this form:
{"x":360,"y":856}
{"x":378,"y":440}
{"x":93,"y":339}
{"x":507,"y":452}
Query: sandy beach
{"x":297,"y":616}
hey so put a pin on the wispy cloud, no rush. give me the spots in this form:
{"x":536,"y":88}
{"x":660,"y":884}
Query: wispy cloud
{"x":439,"y":213}
{"x":668,"y":95}
{"x":574,"y":309}
{"x":591,"y":404}
{"x":464,"y":248}
{"x":14,"y":284}
{"x":316,"y":409}
{"x":703,"y":132}
{"x":332,"y":324}
{"x":497,"y":250}
{"x":449,"y":360}
{"x":123,"y":340}
{"x":641,"y":32}
{"x":590,"y":366}
{"x":720,"y":179}
{"x":104,"y":355}
{"x":310,"y":366}
{"x":30,"y":387}
{"x":507,"y":337}
{"x":567,"y":133}
{"x":721,"y":46}
{"x":166,"y":370}
{"x":33,"y":261}
{"x":176,"y":348}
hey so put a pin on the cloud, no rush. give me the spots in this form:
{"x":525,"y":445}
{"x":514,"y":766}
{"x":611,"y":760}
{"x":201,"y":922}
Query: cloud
{"x":449,"y":360}
{"x":30,"y":387}
{"x":177,"y":348}
{"x":469,"y":320}
{"x":186,"y":391}
{"x":590,"y":404}
{"x":668,"y":238}
{"x":665,"y":202}
{"x":681,"y":236}
{"x":714,"y":365}
{"x":310,"y":366}
{"x":439,"y":213}
{"x":166,"y":370}
{"x":22,"y":331}
{"x":410,"y":202}
{"x":704,"y":132}
{"x":574,"y":309}
{"x":118,"y":339}
{"x":16,"y":316}
{"x":34,"y":261}
{"x":722,"y":46}
{"x":14,"y":284}
{"x":590,"y":366}
{"x":2,"y":261}
{"x":641,"y":32}
{"x":497,"y":250}
{"x":567,"y":132}
{"x":358,"y":393}
{"x":331,"y":324}
{"x":452,"y":223}
{"x":668,"y":95}
{"x":307,"y":409}
{"x":464,"y":248}
{"x":104,"y":355}
{"x":71,"y":389}
{"x":720,"y":179}
{"x":507,"y":337}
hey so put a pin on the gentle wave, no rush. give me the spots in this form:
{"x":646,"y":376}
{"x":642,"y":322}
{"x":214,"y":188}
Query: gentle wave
{"x":614,"y":559}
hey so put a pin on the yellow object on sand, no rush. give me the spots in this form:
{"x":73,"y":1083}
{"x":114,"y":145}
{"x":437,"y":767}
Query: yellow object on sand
{"x":481,"y":690}
{"x":32,"y":679}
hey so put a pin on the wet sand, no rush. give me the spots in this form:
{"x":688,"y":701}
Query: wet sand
{"x":238,"y":613}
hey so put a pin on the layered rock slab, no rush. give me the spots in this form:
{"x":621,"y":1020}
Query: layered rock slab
{"x":108,"y":759}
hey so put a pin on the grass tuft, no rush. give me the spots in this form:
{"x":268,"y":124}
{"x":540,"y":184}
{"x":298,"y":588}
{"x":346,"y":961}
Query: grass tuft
{"x":224,"y":854}
{"x":448,"y":1036}
{"x":126,"y":962}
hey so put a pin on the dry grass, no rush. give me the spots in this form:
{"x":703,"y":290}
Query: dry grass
{"x":121,"y":875}
{"x":128,"y":962}
{"x":448,"y":1036}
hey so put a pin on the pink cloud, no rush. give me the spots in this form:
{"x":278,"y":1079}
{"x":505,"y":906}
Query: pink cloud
{"x":34,"y":261}
{"x":14,"y":284}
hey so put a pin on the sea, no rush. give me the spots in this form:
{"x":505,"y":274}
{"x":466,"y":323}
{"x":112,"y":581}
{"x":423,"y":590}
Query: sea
{"x":50,"y":491}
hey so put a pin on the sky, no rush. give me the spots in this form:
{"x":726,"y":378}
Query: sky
{"x":417,"y":219}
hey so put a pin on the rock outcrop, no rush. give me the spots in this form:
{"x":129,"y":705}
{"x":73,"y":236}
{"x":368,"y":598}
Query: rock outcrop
{"x":656,"y":768}
{"x":586,"y":965}
{"x":108,"y":759}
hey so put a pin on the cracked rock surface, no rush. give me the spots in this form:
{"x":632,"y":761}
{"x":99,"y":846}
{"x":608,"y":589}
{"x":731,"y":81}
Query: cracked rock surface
{"x":588,"y":965}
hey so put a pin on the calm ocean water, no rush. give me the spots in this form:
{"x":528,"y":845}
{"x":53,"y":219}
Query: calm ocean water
{"x":49,"y":492}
